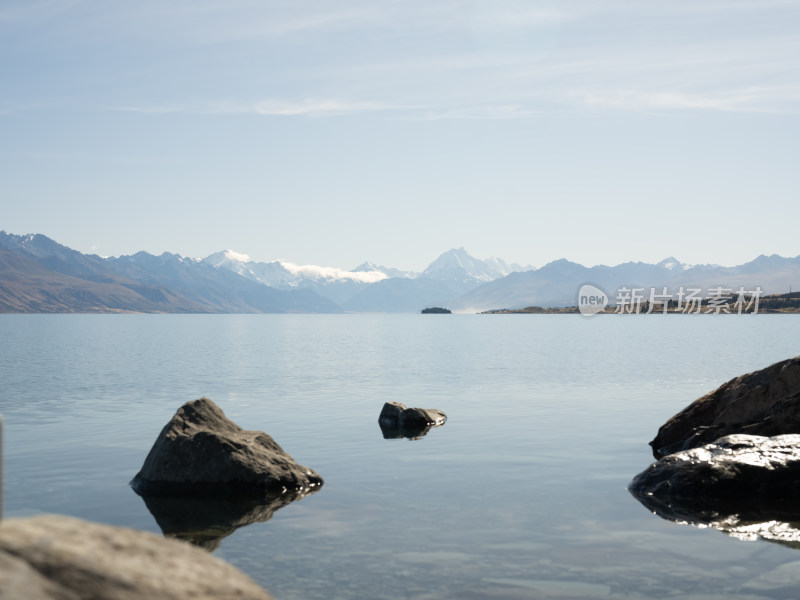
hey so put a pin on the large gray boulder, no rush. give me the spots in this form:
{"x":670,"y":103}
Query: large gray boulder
{"x":765,"y":402}
{"x":53,"y":557}
{"x":201,"y":452}
{"x":397,"y":421}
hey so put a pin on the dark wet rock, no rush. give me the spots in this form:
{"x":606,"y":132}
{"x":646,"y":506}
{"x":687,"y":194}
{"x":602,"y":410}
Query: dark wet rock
{"x":397,"y":421}
{"x":765,"y":402}
{"x":52,"y":557}
{"x":202,"y":453}
{"x":745,"y":485}
{"x":738,"y":468}
{"x":394,"y":413}
{"x":205,"y":522}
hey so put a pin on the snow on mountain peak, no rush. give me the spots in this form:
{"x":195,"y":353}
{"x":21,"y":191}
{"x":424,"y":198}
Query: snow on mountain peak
{"x":459,"y":264}
{"x":236,"y":256}
{"x":282,"y":273}
{"x":226,"y":257}
{"x":388,"y":271}
{"x":672,"y":264}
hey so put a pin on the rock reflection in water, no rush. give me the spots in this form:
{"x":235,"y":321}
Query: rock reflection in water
{"x":775,"y":523}
{"x":205,"y":522}
{"x":413,"y":431}
{"x":747,"y":486}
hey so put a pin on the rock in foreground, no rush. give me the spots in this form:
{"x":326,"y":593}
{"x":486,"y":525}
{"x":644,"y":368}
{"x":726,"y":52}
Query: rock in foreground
{"x":203,"y":453}
{"x":397,"y":421}
{"x":765,"y":402}
{"x":62,"y":558}
{"x":753,"y":477}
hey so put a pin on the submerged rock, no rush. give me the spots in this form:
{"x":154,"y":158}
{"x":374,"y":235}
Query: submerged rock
{"x":745,"y":485}
{"x":201,"y":452}
{"x":397,"y":421}
{"x":205,"y":522}
{"x":53,"y":557}
{"x":765,"y":402}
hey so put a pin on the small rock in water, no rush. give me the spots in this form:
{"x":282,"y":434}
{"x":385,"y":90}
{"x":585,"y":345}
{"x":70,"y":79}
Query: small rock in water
{"x":203,"y":453}
{"x":397,"y":421}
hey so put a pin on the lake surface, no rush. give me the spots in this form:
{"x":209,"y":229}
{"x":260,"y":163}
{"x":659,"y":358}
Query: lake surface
{"x":522,"y":494}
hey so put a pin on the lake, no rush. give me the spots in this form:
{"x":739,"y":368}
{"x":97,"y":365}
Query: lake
{"x":521,"y":494}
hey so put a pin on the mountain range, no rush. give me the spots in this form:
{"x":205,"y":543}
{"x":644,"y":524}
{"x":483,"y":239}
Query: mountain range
{"x":38,"y":274}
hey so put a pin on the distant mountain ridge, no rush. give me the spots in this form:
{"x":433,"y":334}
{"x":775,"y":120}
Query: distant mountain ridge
{"x":38,"y":274}
{"x":337,"y":285}
{"x":557,"y":283}
{"x":369,"y":287}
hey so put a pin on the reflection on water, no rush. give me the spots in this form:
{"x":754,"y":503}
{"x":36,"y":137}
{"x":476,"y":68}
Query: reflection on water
{"x":775,"y":521}
{"x":205,"y":522}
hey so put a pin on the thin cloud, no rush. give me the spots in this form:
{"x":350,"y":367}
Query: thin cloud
{"x":237,"y":256}
{"x":480,"y":113}
{"x":754,"y":99}
{"x":333,"y":273}
{"x":56,"y":155}
{"x":87,"y":157}
{"x":550,"y":103}
{"x":721,"y":6}
{"x":10,"y":110}
{"x":471,"y":76}
{"x":277,"y":108}
{"x":484,"y":59}
{"x":151,"y":110}
{"x":315,"y":108}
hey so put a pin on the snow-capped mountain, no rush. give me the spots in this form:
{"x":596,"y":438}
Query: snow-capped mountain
{"x":673,"y":264}
{"x":338,"y":285}
{"x":282,"y":273}
{"x":457,"y":265}
{"x":451,"y":275}
{"x":38,"y":274}
{"x":370,"y":287}
{"x":388,"y":271}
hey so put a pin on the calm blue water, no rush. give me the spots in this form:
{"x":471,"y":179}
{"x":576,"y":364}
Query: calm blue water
{"x":522,"y":494}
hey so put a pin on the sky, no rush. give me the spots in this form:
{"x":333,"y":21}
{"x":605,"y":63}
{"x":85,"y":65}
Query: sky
{"x":335,"y":132}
